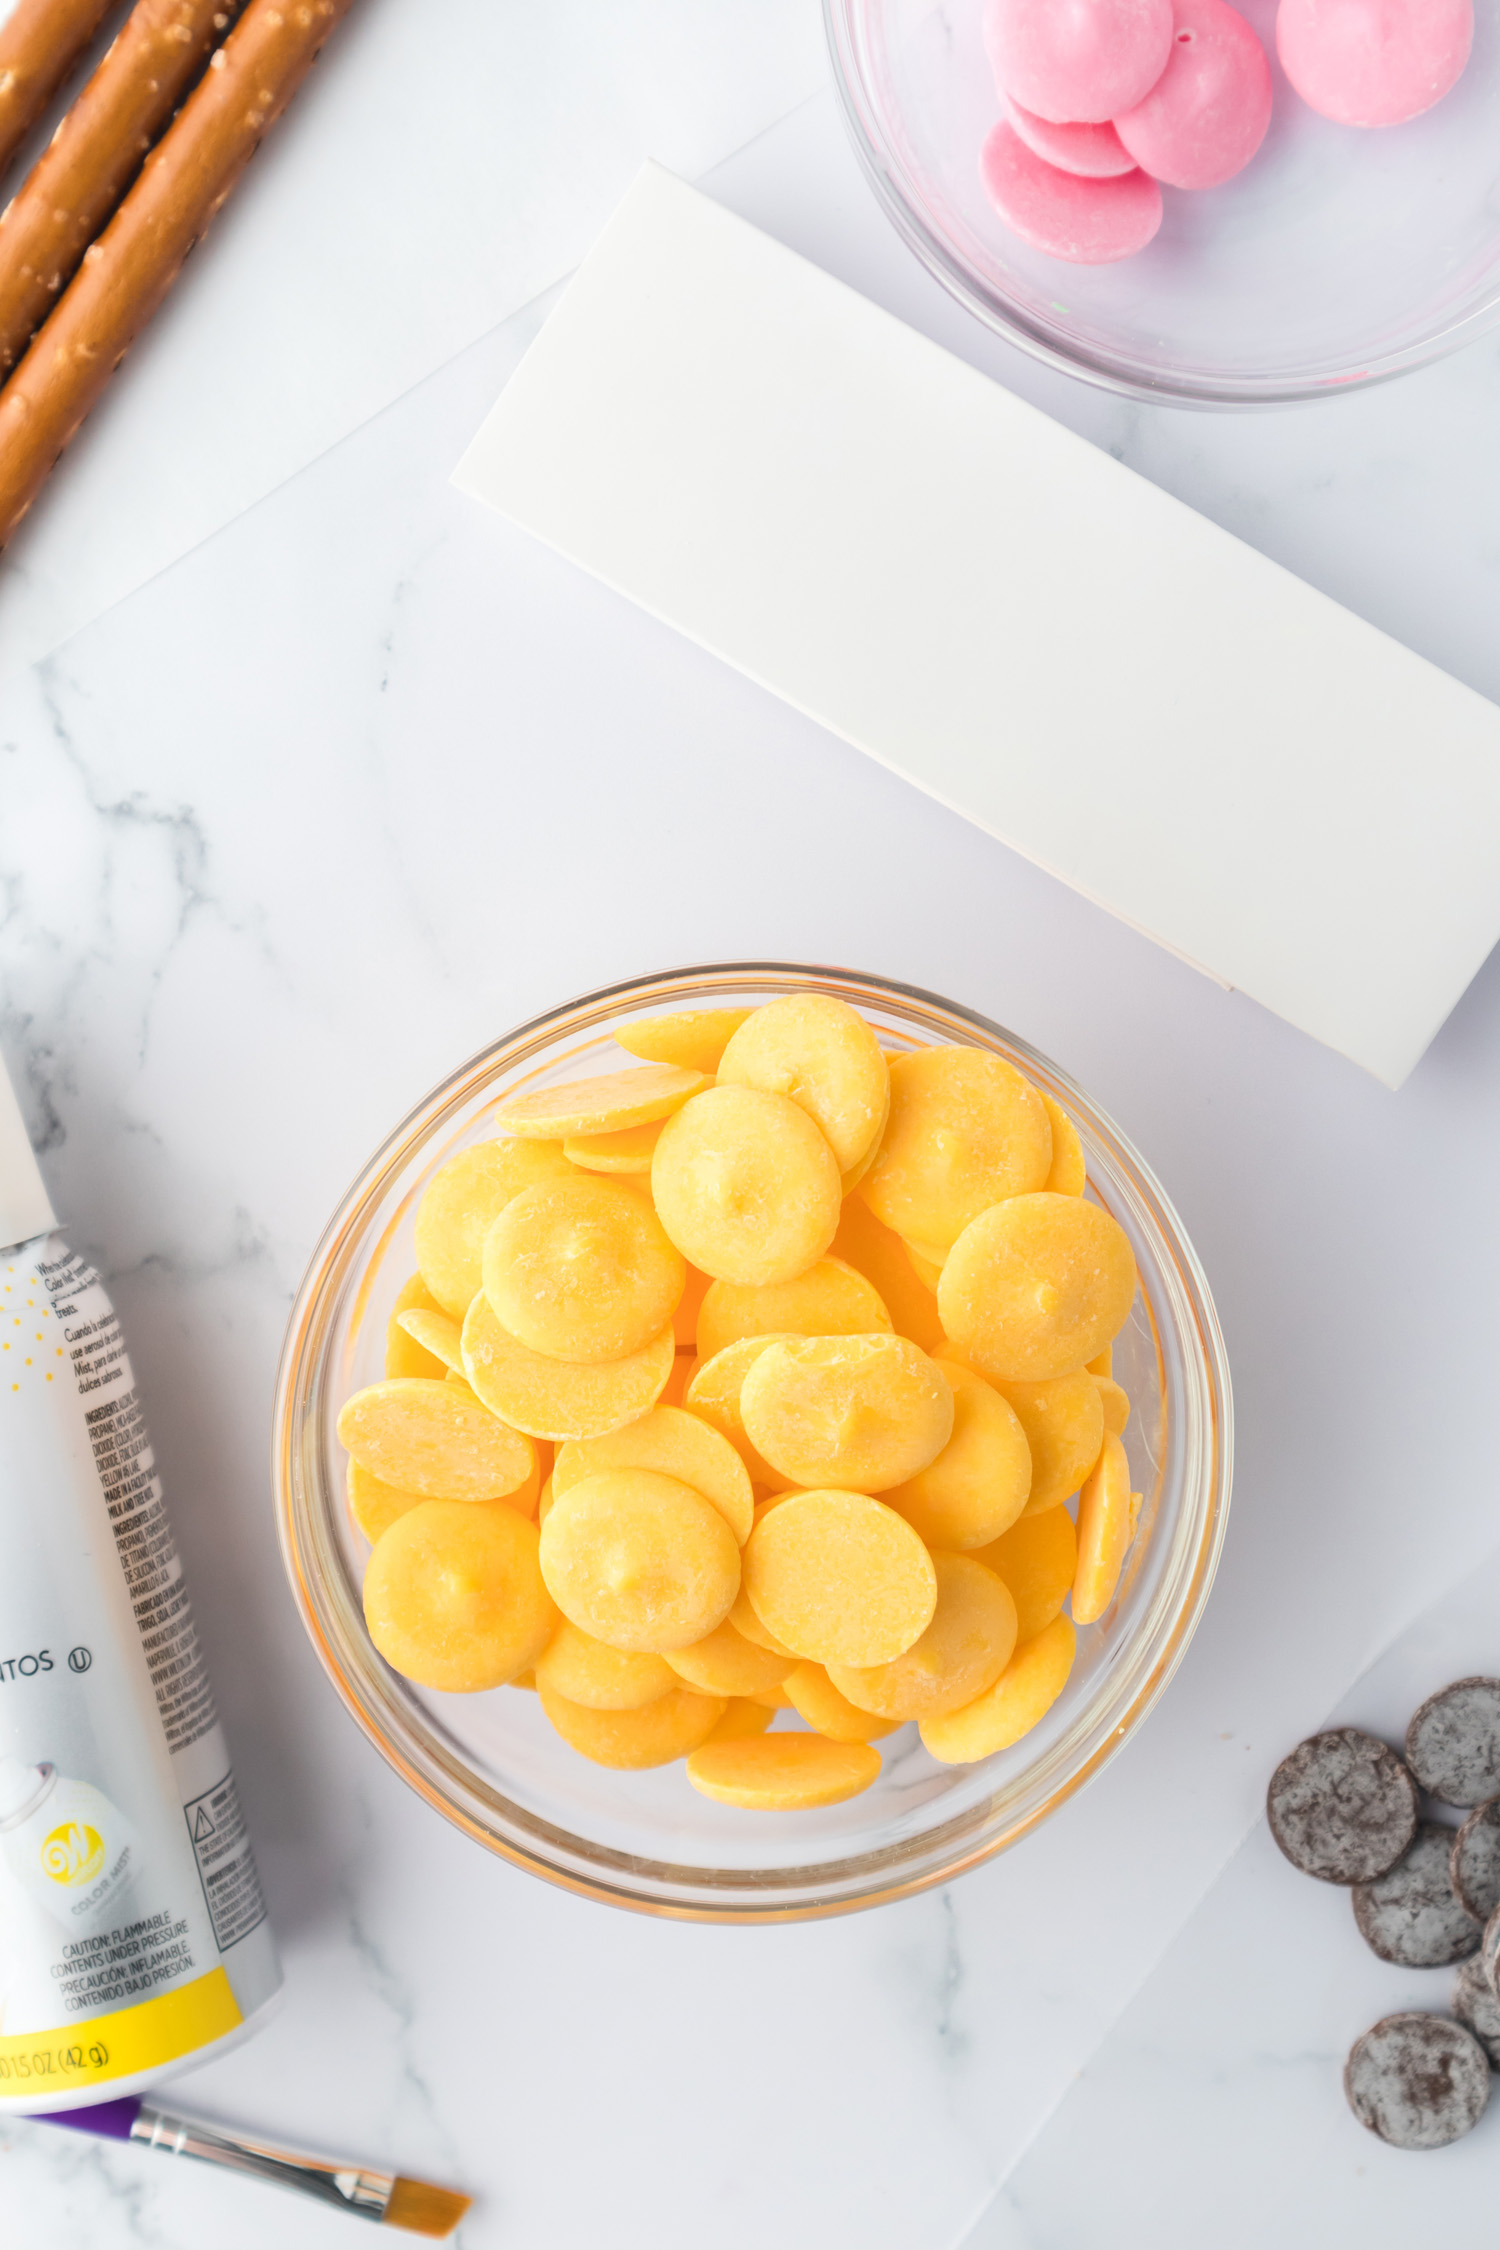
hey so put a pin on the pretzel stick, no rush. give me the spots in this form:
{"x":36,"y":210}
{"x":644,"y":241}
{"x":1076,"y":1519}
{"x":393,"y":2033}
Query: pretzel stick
{"x":40,"y":40}
{"x":124,"y":276}
{"x":94,"y":155}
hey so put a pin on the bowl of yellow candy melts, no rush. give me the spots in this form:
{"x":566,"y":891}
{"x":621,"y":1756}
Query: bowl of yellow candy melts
{"x":753,"y":1443}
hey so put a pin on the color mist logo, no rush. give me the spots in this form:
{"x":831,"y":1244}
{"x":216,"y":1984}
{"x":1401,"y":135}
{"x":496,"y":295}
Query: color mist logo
{"x":73,"y":1853}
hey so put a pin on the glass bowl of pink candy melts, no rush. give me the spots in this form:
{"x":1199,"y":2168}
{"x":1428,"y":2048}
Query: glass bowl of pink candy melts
{"x":1183,"y":199}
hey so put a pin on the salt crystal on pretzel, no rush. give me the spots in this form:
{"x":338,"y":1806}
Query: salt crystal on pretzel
{"x":40,"y":40}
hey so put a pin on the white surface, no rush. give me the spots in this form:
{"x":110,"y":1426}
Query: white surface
{"x":442,"y":165}
{"x":1006,"y":617}
{"x":1227,"y":2067}
{"x":24,"y":1207}
{"x":373,"y":777}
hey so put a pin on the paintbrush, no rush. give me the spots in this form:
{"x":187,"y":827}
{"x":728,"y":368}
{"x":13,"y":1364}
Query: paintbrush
{"x":382,"y":2196}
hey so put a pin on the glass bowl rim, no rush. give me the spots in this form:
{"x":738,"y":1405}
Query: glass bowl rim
{"x":319,"y":1295}
{"x":1120,"y":374}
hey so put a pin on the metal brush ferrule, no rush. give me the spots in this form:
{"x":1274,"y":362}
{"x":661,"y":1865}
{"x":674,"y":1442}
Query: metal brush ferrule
{"x":347,"y":2187}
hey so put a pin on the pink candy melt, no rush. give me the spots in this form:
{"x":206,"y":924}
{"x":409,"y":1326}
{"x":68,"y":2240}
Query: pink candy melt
{"x":1207,"y":114}
{"x":1089,"y":222}
{"x":1094,"y":152}
{"x":1373,"y":62}
{"x":1078,"y":61}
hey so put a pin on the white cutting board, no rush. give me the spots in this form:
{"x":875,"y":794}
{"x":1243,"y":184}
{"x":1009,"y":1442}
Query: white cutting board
{"x":1010,"y":619}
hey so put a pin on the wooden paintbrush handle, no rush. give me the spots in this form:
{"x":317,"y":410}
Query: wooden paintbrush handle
{"x":94,"y":155}
{"x":40,"y":40}
{"x":124,"y":276}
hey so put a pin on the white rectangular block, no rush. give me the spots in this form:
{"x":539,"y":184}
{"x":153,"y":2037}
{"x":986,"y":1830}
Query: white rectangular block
{"x":1010,"y":619}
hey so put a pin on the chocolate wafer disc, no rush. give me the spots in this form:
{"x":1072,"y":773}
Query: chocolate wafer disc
{"x":1411,"y":1915}
{"x":1489,"y":1952}
{"x":1475,"y":1865}
{"x":1474,"y":2004}
{"x":1453,"y":1743}
{"x":1342,"y":1807}
{"x":1418,"y":2081}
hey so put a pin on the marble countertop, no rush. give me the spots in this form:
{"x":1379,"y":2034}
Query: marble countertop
{"x":369,"y":777}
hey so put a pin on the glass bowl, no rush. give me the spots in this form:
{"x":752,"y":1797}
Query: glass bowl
{"x":492,"y":1764}
{"x":1338,"y":257}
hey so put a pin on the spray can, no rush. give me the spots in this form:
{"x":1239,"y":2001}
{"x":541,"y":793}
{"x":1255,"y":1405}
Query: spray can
{"x":133,"y":1933}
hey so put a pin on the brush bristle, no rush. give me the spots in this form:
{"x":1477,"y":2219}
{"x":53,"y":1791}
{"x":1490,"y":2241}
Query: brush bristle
{"x":424,"y":2209}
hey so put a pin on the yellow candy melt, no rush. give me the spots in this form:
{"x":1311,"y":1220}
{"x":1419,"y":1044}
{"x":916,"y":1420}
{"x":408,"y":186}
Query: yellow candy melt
{"x":1106,"y":1520}
{"x":783,"y":1772}
{"x":526,"y":1496}
{"x":822,"y":1054}
{"x":558,"y":1398}
{"x":632,"y":1740}
{"x":1068,"y":1175}
{"x":1024,"y":1693}
{"x":374,"y":1505}
{"x":435,"y":1439}
{"x":674,"y":1390}
{"x":439,"y":1335}
{"x":463,"y":1201}
{"x":602,"y":1678}
{"x":840,"y":1578}
{"x":725,"y":1663}
{"x":965,"y":1130}
{"x":929,"y":1271}
{"x":978,"y":1484}
{"x":830,"y":1299}
{"x":741,"y":1720}
{"x":639,"y":1560}
{"x":1037,"y":1558}
{"x":403,"y":1354}
{"x":746,"y":1185}
{"x":1116,"y":1404}
{"x":792,"y":1345}
{"x":815,"y":1698}
{"x":454,"y":1597}
{"x":963,"y":1651}
{"x":693,"y":1038}
{"x":859,"y":1412}
{"x":598,"y":1105}
{"x":1064,"y":1425}
{"x":872,"y":1249}
{"x":685,"y":1320}
{"x":629,"y":1151}
{"x":713,"y":1392}
{"x":580,"y":1270}
{"x":749,"y":1627}
{"x":676,"y":1444}
{"x":1036,"y":1286}
{"x":849,"y":1181}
